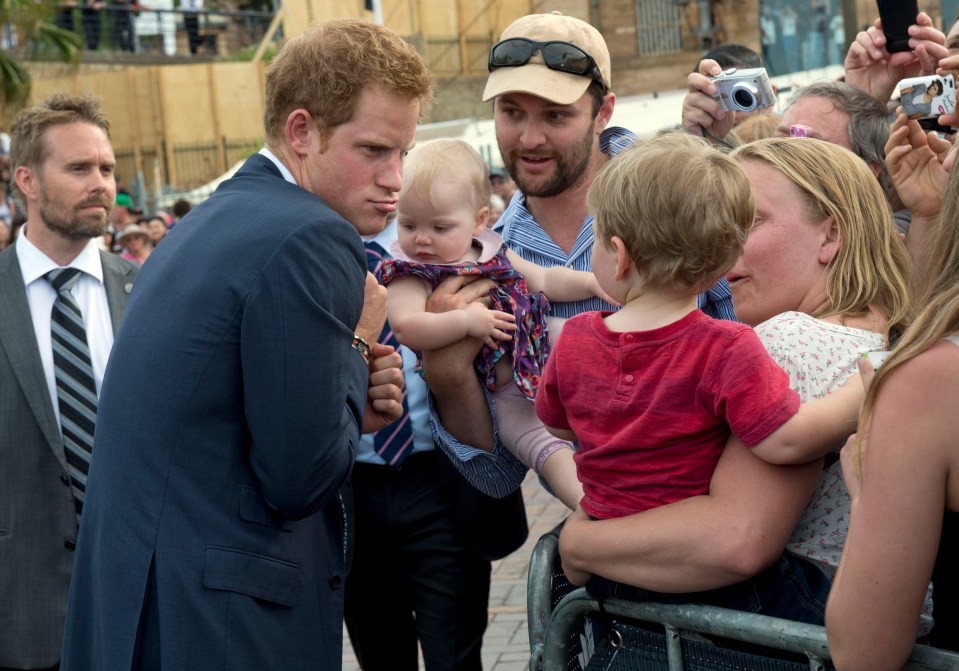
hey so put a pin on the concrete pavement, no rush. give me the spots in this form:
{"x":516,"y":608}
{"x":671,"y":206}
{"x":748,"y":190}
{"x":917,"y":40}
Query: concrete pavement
{"x":506,"y":643}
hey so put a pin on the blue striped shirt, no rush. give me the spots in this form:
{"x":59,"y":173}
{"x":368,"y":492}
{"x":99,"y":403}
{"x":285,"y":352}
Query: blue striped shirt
{"x":498,"y":473}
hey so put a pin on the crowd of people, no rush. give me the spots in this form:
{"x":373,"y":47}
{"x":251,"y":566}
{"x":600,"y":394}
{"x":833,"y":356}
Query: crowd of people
{"x":120,"y":18}
{"x":130,"y":234}
{"x":224,"y":437}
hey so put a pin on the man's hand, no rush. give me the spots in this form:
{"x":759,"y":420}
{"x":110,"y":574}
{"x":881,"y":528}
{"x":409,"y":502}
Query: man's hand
{"x":701,"y":113}
{"x":458,"y":291}
{"x":871,"y":68}
{"x":384,"y":400}
{"x":374,"y":310}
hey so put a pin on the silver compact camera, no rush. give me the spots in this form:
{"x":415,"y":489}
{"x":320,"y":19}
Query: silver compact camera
{"x":744,"y":90}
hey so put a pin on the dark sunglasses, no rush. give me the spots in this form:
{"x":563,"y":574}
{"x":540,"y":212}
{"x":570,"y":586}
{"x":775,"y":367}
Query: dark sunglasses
{"x":562,"y":56}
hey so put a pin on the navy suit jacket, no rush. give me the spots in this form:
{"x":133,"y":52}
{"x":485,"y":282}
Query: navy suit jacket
{"x":213,"y":536}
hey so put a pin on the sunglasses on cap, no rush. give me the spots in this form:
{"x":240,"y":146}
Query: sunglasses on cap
{"x":562,"y":56}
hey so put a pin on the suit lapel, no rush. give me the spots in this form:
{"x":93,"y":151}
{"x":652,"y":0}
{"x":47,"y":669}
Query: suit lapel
{"x":19,"y":343}
{"x":118,"y":280}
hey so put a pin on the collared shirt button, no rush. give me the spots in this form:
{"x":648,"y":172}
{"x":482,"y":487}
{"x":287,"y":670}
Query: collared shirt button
{"x":628,"y":378}
{"x":335,"y":582}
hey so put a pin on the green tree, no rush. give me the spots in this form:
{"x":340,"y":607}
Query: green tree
{"x":38,"y":39}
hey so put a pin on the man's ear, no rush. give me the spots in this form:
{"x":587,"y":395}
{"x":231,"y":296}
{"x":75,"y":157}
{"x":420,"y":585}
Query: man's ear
{"x":831,"y":242}
{"x":605,"y":113}
{"x":300,"y":131}
{"x":26,"y":180}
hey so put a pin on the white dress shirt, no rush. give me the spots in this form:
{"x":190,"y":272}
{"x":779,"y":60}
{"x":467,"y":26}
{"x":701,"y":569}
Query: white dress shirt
{"x":90,"y":294}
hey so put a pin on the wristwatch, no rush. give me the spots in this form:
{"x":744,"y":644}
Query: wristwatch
{"x":363,"y":348}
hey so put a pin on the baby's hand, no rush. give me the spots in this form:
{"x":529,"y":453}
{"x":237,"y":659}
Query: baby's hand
{"x":489,"y":325}
{"x":599,"y":293}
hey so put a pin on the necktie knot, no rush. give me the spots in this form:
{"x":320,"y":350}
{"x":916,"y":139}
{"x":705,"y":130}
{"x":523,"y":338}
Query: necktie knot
{"x":63,"y":279}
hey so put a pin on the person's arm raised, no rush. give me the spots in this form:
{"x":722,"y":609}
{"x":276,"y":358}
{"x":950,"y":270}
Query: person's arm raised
{"x":702,"y":114}
{"x":699,"y":543}
{"x":919,"y":169}
{"x":870,"y":68}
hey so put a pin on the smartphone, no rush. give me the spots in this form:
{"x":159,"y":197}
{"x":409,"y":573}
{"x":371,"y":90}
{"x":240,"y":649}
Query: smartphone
{"x":897,"y":16}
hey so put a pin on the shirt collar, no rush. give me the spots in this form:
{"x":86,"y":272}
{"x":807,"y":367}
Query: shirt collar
{"x":287,"y":175}
{"x":34,"y":264}
{"x":386,"y":237}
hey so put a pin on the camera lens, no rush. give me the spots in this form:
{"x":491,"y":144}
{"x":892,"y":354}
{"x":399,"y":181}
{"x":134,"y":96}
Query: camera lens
{"x":744,"y":97}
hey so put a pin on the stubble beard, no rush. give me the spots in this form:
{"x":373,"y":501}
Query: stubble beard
{"x":75,"y":228}
{"x":570,"y":169}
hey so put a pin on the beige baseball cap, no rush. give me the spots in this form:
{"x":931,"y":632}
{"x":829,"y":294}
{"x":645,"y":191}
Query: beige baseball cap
{"x":535,"y":77}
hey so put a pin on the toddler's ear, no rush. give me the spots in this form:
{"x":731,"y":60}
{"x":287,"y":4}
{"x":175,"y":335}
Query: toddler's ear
{"x":623,"y":259}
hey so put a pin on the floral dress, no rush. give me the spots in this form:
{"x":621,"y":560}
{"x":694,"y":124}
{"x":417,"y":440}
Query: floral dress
{"x":528,"y":349}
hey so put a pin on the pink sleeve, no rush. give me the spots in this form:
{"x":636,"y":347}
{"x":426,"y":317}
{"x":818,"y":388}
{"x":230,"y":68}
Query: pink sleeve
{"x":549,"y":407}
{"x":751,"y":391}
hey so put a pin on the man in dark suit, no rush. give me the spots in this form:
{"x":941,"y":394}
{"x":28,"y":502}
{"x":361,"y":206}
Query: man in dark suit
{"x":240,"y":382}
{"x":62,"y":165}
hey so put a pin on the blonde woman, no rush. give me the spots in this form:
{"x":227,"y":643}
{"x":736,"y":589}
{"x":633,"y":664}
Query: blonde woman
{"x":823,"y":277}
{"x":903,"y":472}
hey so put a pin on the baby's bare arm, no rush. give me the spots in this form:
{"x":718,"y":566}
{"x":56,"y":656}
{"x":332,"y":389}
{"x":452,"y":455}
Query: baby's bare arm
{"x":416,"y":328}
{"x":559,"y":283}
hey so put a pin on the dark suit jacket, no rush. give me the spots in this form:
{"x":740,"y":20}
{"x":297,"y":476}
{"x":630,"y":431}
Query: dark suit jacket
{"x":37,"y":521}
{"x":212,"y":535}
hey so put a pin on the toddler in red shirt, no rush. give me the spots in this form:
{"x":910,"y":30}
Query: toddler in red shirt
{"x":653,"y":391}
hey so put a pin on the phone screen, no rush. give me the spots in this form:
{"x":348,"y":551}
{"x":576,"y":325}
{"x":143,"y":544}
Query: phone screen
{"x":897,"y":16}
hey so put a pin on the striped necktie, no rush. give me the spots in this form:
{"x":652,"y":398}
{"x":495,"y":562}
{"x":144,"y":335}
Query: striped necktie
{"x":395,"y":442}
{"x":76,"y":389}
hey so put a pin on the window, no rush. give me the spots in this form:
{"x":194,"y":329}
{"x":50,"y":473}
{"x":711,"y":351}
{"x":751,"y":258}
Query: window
{"x":658,"y":27}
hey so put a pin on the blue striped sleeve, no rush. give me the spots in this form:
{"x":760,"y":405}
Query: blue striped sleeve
{"x":495,"y":473}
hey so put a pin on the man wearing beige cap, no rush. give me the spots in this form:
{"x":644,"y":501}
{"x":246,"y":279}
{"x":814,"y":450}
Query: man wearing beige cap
{"x":549,"y":76}
{"x":550,"y":85}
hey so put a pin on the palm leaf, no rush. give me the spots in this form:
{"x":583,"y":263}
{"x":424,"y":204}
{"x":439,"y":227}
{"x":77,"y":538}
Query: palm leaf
{"x":14,"y":81}
{"x":41,"y":39}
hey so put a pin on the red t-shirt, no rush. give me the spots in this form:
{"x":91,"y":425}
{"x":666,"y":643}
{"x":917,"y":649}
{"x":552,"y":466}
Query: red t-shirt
{"x":652,"y":410}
